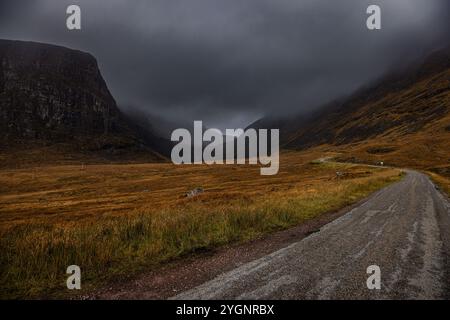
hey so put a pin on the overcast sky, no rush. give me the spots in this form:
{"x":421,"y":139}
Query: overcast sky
{"x":229,"y":62}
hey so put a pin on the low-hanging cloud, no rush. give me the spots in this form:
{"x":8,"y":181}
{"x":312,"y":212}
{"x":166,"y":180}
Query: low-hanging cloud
{"x":228,"y":62}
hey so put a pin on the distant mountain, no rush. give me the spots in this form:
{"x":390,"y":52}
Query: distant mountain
{"x":402,"y":119}
{"x":155,"y":131}
{"x":401,"y":103}
{"x":51,"y":95}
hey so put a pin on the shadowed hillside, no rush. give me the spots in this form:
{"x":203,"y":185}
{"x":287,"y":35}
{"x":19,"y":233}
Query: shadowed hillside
{"x":55,"y":99}
{"x":403,"y":119}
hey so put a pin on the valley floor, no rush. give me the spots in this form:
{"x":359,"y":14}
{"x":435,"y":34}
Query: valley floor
{"x":116,"y":221}
{"x":402,"y":231}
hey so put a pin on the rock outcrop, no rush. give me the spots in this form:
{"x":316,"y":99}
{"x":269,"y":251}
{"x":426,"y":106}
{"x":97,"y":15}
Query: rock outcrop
{"x":53,"y":94}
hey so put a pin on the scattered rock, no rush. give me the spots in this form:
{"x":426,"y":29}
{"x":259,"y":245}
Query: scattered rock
{"x":194,"y":192}
{"x":339,"y":174}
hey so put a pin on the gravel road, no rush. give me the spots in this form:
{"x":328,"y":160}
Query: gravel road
{"x":404,"y":229}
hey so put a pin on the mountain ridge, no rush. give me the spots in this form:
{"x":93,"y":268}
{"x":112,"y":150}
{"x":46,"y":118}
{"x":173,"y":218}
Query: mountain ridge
{"x":53,"y":95}
{"x":402,"y":110}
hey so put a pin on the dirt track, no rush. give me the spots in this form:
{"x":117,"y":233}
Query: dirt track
{"x":404,"y":229}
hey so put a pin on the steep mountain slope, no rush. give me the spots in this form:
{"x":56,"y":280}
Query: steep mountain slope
{"x":149,"y":129}
{"x":404,"y":119}
{"x":399,"y":104}
{"x":51,"y":95}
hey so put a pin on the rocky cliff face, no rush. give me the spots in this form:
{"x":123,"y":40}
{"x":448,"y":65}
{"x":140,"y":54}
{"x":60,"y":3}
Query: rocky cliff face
{"x":54,"y":94}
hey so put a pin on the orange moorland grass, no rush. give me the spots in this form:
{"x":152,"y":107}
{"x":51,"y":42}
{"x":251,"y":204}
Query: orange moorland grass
{"x":423,"y":149}
{"x":442,"y":181}
{"x":116,"y":220}
{"x":426,"y":150}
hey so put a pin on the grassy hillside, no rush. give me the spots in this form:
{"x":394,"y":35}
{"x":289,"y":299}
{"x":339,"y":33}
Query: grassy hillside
{"x":403,"y":121}
{"x":421,"y":136}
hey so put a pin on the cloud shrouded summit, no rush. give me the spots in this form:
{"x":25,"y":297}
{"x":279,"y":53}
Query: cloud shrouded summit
{"x":228,"y":62}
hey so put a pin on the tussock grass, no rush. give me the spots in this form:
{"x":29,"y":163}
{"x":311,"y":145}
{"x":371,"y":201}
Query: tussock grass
{"x":442,"y":181}
{"x":36,"y":253}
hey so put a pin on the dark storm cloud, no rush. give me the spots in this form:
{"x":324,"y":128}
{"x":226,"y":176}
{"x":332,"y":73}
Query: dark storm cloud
{"x":229,"y":62}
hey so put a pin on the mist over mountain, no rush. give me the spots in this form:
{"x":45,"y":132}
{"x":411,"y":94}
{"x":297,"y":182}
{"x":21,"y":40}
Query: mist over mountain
{"x":321,"y":127}
{"x":401,"y":119}
{"x":155,"y":130}
{"x":53,"y":95}
{"x":232,"y":62}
